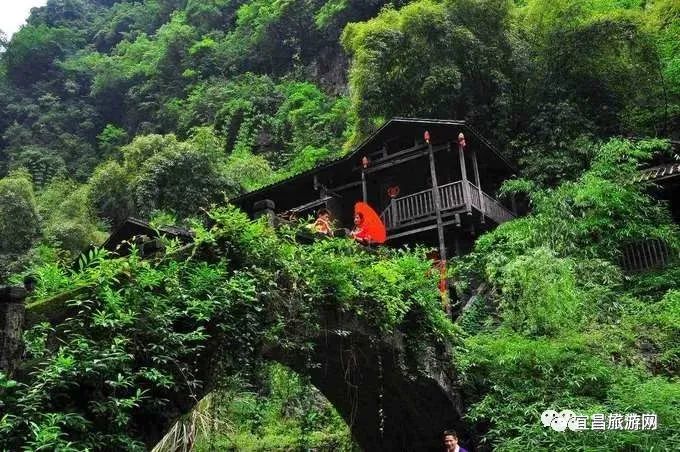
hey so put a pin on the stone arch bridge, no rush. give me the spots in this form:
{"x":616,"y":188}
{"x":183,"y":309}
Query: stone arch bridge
{"x":388,"y":403}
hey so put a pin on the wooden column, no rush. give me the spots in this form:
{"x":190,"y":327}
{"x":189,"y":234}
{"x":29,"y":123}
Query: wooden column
{"x":393,"y":214}
{"x":464,"y":178}
{"x":364,"y":190}
{"x":440,"y":225}
{"x":479,"y":183}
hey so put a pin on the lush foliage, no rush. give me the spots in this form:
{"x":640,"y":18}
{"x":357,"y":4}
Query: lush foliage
{"x":18,"y":213}
{"x":164,"y":108}
{"x":138,"y":333}
{"x":84,"y":77}
{"x":561,"y":327}
{"x":437,"y":59}
{"x":282,"y":411}
{"x":542,"y":76}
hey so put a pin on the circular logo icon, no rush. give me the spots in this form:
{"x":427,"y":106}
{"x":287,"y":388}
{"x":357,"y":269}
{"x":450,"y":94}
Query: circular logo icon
{"x":559,"y":424}
{"x":567,"y":414}
{"x":547,"y":417}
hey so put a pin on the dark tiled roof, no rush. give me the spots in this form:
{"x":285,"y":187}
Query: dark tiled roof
{"x":659,"y":172}
{"x":396,"y":121}
{"x":132,"y":227}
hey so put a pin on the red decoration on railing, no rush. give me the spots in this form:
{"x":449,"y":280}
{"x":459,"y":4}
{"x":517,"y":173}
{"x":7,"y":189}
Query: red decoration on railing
{"x":461,"y":140}
{"x":365,"y":162}
{"x":426,"y":135}
{"x":393,"y":192}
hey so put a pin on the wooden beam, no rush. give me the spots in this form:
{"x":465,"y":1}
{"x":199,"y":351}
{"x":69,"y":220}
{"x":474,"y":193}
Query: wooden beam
{"x":437,"y":204}
{"x":440,"y":228}
{"x":479,"y":184}
{"x":420,"y":229}
{"x":364,"y":189}
{"x":445,"y":214}
{"x":412,"y":231}
{"x":414,"y":148}
{"x":391,"y":161}
{"x":309,"y":205}
{"x":414,"y":222}
{"x":662,"y":251}
{"x":463,"y":174}
{"x":345,"y":186}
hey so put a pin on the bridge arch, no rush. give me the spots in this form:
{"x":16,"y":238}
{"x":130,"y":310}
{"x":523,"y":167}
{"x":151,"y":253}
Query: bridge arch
{"x":389,"y":402}
{"x":380,"y":352}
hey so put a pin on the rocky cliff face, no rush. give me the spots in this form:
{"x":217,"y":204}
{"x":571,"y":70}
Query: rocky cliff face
{"x":329,"y":70}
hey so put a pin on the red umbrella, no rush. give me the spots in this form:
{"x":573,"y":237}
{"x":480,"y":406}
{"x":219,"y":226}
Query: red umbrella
{"x":372,"y":228}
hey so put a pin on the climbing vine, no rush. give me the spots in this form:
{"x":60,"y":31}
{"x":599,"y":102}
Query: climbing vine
{"x":143,"y":339}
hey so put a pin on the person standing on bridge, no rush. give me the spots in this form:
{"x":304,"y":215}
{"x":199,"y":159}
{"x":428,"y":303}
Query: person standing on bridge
{"x":451,"y":442}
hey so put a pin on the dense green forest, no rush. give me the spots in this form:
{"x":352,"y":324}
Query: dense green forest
{"x":166,"y":109}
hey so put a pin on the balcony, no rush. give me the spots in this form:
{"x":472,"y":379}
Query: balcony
{"x":456,"y":197}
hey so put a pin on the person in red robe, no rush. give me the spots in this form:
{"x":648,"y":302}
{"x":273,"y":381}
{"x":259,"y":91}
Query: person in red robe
{"x":359,"y":233}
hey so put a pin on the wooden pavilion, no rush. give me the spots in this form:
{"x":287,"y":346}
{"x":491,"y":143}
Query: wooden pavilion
{"x":431,"y":180}
{"x":662,"y":178}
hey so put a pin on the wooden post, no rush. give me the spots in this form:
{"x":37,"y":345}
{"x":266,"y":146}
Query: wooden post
{"x":393,"y":214}
{"x":479,"y":184}
{"x":440,"y":230}
{"x":463,"y":173}
{"x":364,"y":165}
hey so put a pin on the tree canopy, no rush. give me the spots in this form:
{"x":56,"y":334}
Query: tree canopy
{"x":168,"y":109}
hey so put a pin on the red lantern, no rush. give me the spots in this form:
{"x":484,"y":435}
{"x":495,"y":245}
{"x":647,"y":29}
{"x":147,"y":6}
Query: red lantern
{"x":365,"y":162}
{"x":393,"y":192}
{"x":461,"y":140}
{"x":426,"y":135}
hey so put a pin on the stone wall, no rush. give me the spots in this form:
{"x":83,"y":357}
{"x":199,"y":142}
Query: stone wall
{"x":12,"y":313}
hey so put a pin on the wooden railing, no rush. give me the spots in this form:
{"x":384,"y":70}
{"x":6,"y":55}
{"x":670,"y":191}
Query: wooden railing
{"x":420,"y":206}
{"x":495,"y":210}
{"x":645,"y":255}
{"x":452,"y":195}
{"x":474,"y":196}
